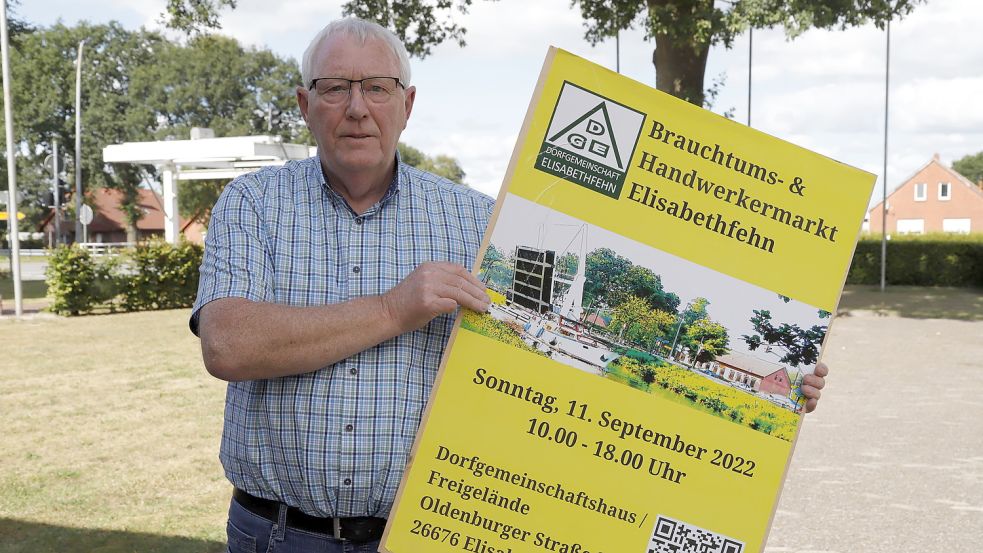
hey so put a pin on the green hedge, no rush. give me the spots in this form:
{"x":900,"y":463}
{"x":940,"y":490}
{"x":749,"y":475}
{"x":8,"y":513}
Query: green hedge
{"x":921,"y":260}
{"x":77,"y":282}
{"x":164,"y":276}
{"x":155,"y":275}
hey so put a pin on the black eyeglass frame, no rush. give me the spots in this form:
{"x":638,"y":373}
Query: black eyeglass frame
{"x":353,"y":81}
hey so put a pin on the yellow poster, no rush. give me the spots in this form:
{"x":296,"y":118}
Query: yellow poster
{"x":662,"y":279}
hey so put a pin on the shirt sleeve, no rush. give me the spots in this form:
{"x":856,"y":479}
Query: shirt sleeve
{"x":237,"y":261}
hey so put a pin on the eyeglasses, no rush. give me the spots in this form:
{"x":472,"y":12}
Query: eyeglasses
{"x":335,"y":90}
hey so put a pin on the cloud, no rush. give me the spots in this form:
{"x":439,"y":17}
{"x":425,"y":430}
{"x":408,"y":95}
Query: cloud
{"x":940,"y":105}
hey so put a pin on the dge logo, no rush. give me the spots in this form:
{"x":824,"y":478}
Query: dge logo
{"x":590,"y":140}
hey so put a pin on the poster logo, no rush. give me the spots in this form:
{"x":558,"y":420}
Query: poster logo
{"x":590,"y":140}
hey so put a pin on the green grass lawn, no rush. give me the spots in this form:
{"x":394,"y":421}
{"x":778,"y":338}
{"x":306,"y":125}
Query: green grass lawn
{"x":111,"y":435}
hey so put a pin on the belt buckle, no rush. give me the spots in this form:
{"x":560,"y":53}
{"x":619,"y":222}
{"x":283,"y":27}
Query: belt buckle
{"x":336,"y":526}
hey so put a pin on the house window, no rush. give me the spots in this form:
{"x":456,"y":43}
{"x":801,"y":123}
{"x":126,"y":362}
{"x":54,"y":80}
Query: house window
{"x":921,"y":192}
{"x":945,"y":191}
{"x":960,"y":226}
{"x":911,"y":226}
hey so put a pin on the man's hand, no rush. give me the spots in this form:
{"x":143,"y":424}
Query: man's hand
{"x":812,"y":384}
{"x":430,"y":290}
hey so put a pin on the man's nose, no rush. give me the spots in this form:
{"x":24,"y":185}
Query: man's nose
{"x":357,"y":107}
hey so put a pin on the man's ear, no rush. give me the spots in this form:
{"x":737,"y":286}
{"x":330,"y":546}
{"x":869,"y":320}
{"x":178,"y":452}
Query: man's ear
{"x":302,"y":99}
{"x":410,"y":98}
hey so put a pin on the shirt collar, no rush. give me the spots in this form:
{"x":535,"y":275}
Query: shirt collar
{"x":394,"y":187}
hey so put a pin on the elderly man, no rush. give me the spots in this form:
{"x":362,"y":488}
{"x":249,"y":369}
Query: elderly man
{"x":326,"y":300}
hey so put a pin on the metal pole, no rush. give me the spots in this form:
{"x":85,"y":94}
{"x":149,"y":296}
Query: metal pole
{"x":887,"y":80}
{"x":617,"y":51}
{"x":78,"y":142}
{"x":750,"y":50}
{"x":11,"y":167}
{"x":55,"y":189}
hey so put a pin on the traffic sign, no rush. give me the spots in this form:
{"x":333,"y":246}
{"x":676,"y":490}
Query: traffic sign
{"x":85,"y":215}
{"x":3,"y":215}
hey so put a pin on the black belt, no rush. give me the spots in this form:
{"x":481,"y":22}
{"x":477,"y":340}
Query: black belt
{"x":353,"y":529}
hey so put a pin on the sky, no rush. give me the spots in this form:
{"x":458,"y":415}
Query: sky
{"x":732,"y":301}
{"x":824,"y":91}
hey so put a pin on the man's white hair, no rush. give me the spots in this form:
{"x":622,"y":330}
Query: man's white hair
{"x":361,"y":30}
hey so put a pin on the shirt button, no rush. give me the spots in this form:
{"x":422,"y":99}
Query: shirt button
{"x":356,"y":269}
{"x":348,"y":481}
{"x":353,"y":371}
{"x":349,"y":428}
{"x":358,"y":220}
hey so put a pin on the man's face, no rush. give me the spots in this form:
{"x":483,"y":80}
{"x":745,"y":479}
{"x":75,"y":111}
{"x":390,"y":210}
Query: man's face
{"x":356,"y":137}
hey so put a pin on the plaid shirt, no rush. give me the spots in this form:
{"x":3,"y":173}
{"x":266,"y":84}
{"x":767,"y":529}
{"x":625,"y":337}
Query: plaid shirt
{"x":333,"y":442}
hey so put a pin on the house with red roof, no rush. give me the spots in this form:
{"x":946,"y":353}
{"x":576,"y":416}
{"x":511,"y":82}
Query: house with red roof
{"x":109,"y":220}
{"x":934,"y":199}
{"x":758,"y":374}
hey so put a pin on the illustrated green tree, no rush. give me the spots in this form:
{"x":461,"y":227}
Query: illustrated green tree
{"x":971,"y":167}
{"x":695,"y":310}
{"x":635,"y":321}
{"x":496,"y":268}
{"x":796,"y":345}
{"x":705,"y":339}
{"x":627,"y":317}
{"x":683,"y":30}
{"x":567,"y":264}
{"x":613,"y":279}
{"x":658,"y":326}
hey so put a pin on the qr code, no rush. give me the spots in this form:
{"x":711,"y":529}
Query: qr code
{"x":673,"y":536}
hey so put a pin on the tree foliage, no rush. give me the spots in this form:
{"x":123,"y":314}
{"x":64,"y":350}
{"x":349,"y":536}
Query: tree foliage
{"x":442,"y":165}
{"x":137,"y":86}
{"x":971,"y":167}
{"x":796,"y":345}
{"x":194,"y":17}
{"x":683,"y":30}
{"x":635,"y":321}
{"x":705,"y":339}
{"x":613,"y":279}
{"x":421,"y":24}
{"x":496,"y":268}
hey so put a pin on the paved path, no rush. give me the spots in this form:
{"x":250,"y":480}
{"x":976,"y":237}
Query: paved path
{"x":893,"y":459}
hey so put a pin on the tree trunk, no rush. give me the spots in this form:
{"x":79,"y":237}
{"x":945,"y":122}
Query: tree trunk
{"x":680,"y":67}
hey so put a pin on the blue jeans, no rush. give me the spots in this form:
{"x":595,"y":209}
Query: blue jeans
{"x":249,"y":533}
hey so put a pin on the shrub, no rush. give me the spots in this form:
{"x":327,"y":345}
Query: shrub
{"x":763,"y":424}
{"x":920,"y":260}
{"x":77,"y":283}
{"x":715,"y":403}
{"x":162,"y":276}
{"x":647,"y":374}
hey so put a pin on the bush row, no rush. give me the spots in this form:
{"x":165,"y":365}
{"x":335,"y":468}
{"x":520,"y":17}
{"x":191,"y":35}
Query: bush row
{"x":155,"y":275}
{"x":928,"y":260}
{"x":720,"y":400}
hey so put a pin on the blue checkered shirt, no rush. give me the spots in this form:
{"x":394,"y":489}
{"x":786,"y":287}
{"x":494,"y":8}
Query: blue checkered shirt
{"x":333,"y":442}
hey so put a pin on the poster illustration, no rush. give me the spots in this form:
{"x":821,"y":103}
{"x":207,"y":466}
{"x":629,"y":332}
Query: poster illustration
{"x":662,"y":279}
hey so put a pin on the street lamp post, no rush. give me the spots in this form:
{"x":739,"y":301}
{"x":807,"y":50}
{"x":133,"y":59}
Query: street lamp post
{"x":78,"y":141}
{"x":55,"y":189}
{"x":11,"y":166}
{"x":678,"y":328}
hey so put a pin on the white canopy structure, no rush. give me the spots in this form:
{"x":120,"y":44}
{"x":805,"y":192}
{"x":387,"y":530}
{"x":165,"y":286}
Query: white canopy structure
{"x":202,"y":158}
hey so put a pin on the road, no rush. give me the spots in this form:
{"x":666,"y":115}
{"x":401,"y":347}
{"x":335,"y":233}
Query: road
{"x":892,"y":461}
